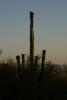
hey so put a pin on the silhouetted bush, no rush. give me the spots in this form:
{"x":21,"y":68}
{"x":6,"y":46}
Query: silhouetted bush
{"x":30,"y":85}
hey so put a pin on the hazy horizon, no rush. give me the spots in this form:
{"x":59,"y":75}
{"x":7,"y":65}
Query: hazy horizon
{"x":50,"y":28}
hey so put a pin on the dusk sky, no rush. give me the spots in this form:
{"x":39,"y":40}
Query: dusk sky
{"x":50,"y":28}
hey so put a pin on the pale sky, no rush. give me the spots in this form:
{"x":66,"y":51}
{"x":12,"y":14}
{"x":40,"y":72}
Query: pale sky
{"x":50,"y":28}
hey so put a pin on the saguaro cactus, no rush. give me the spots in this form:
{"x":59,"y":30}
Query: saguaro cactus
{"x":43,"y":57}
{"x":31,"y":39}
{"x":23,"y":62}
{"x":18,"y":61}
{"x":18,"y":69}
{"x":42,"y":65}
{"x":36,"y":59}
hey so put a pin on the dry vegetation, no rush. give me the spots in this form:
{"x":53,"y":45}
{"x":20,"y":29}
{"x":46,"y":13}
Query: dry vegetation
{"x":33,"y":83}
